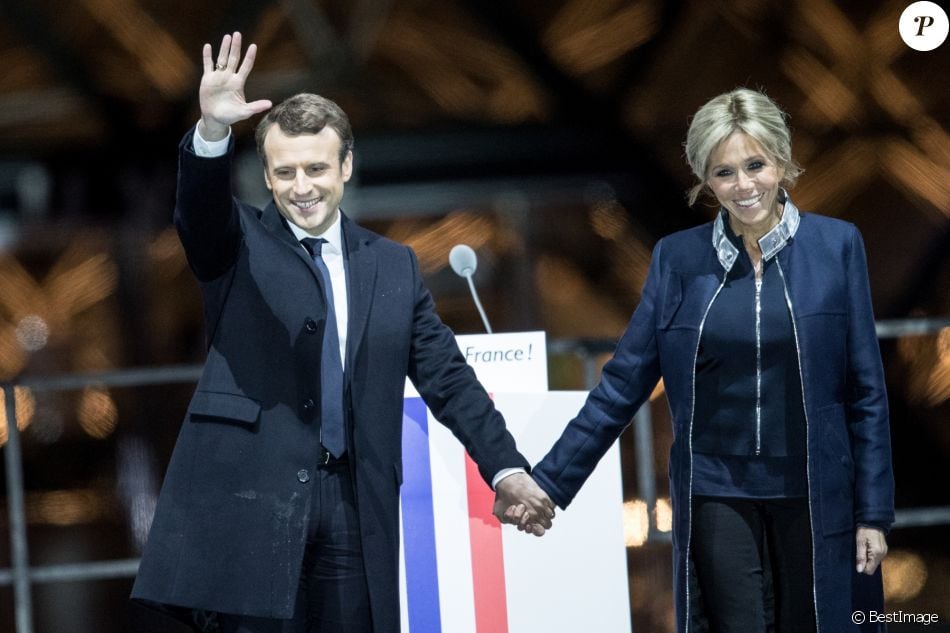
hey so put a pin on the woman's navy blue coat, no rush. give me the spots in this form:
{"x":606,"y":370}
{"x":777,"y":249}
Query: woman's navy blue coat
{"x":850,"y":480}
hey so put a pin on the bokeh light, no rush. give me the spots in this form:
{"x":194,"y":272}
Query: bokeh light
{"x":25,"y":407}
{"x":32,"y":333}
{"x":65,"y":507}
{"x":97,"y":412}
{"x":905,"y":575}
{"x":636,"y":523}
{"x":664,"y":515}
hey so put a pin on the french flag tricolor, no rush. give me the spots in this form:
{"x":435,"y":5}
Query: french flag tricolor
{"x":463,"y":572}
{"x":488,"y":597}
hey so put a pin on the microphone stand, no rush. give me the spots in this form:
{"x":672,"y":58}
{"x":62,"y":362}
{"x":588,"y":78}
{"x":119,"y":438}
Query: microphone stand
{"x":464,"y":262}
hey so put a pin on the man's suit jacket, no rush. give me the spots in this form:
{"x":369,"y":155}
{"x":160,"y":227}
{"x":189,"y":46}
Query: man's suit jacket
{"x":230,"y":526}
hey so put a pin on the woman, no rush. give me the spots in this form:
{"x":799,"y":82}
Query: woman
{"x":760,"y":325}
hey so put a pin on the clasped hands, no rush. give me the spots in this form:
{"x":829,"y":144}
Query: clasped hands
{"x":520,"y":501}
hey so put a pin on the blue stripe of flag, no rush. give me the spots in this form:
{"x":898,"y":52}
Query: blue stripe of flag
{"x":422,"y":579}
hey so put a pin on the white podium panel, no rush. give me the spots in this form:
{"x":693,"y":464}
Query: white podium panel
{"x":461,"y":572}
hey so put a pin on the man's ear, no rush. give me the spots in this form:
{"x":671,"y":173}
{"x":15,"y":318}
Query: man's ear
{"x":267,"y":179}
{"x":347,"y":167}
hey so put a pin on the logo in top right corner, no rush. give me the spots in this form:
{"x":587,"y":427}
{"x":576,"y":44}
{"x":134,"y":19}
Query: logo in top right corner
{"x":924,"y":26}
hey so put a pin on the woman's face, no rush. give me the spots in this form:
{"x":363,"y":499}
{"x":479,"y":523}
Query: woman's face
{"x":745,"y":179}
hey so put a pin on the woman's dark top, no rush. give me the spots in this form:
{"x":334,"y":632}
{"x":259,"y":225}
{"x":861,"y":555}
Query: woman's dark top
{"x":749,"y":422}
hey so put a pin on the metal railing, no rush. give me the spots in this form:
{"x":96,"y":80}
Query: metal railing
{"x":21,"y":575}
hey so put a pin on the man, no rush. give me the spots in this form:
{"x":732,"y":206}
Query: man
{"x":279,"y":510}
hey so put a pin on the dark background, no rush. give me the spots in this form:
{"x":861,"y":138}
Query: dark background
{"x":547,"y":135}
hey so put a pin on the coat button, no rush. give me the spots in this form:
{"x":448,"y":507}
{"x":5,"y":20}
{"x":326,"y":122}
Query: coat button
{"x":308,"y":405}
{"x":303,"y":476}
{"x":310,"y":325}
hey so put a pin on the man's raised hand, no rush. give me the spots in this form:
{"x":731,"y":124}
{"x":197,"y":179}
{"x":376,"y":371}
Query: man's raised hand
{"x":221,"y":94}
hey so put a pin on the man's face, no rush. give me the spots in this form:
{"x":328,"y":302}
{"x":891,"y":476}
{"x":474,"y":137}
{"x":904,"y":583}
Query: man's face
{"x":306,"y":177}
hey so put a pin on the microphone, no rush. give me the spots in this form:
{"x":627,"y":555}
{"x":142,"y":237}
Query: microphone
{"x":463,"y":261}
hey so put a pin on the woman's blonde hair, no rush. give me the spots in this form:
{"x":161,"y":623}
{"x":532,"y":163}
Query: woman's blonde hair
{"x":741,"y":110}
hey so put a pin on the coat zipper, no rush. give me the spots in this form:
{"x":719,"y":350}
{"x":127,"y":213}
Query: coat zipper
{"x":692,"y":414}
{"x":758,"y":361}
{"x":801,"y":376}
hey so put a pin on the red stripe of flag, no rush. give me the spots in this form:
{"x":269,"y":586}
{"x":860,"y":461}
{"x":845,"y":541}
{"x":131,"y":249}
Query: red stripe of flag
{"x":488,"y":562}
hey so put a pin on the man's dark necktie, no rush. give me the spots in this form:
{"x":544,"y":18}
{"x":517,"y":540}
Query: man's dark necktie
{"x":332,"y":434}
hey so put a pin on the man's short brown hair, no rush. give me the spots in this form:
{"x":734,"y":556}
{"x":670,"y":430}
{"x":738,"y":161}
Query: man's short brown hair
{"x":306,"y":113}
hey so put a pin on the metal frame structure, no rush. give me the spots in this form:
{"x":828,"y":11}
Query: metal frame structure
{"x":21,"y":575}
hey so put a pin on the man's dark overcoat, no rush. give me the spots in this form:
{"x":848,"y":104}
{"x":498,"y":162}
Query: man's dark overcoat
{"x":231,"y":523}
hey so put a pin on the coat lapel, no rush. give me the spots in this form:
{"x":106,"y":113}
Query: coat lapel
{"x":361,"y":277}
{"x":360,"y":284}
{"x":273,"y":221}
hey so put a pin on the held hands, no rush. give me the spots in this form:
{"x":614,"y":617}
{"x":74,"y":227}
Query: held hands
{"x":520,"y":501}
{"x":871,"y":549}
{"x":221,"y":94}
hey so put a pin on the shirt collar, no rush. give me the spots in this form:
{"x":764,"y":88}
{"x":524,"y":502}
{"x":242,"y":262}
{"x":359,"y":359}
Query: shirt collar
{"x":770,"y":243}
{"x":333,"y":235}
